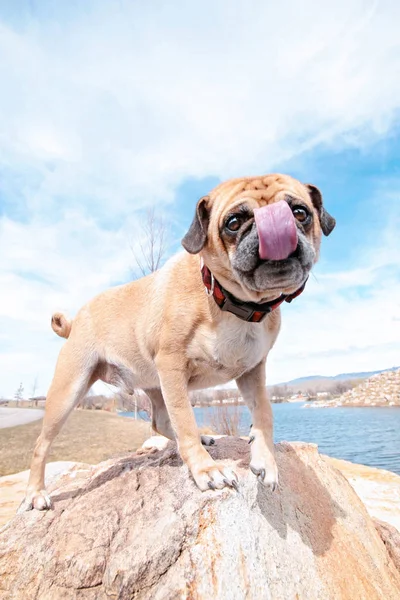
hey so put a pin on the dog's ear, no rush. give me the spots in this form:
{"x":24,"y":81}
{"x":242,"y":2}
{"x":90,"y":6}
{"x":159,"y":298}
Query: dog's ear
{"x":196,"y":237}
{"x":327,"y":221}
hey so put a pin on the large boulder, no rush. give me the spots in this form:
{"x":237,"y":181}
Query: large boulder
{"x":137,"y":527}
{"x":13,"y":487}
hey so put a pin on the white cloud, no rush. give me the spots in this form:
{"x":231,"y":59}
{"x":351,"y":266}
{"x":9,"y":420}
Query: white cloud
{"x":44,"y":268}
{"x":345,"y":321}
{"x":107,"y":108}
{"x":126,"y":100}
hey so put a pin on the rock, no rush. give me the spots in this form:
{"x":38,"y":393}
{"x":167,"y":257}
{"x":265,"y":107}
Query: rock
{"x":137,"y":527}
{"x":391,"y":538}
{"x":378,"y":489}
{"x":13,"y":487}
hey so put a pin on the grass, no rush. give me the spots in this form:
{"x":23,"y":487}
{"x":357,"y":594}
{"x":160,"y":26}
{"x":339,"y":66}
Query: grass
{"x":224,"y":419}
{"x":87,"y":436}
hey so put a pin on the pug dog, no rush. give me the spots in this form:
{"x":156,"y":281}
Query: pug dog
{"x":208,"y":316}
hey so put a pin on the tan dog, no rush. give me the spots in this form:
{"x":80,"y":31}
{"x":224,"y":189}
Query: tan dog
{"x":257,"y":238}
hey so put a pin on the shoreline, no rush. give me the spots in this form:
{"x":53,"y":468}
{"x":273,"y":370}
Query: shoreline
{"x":333,"y":404}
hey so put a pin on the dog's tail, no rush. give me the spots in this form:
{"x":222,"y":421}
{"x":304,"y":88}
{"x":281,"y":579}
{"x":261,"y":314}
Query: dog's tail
{"x":61,"y":325}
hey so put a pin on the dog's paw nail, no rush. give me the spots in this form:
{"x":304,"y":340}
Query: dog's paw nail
{"x":235,"y":484}
{"x":268,"y":478}
{"x":211,"y":485}
{"x":212,"y":442}
{"x":227,"y":482}
{"x":251,"y":440}
{"x":259,"y":473}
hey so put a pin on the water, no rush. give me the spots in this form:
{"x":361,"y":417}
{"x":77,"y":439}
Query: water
{"x":141,"y":414}
{"x":370,"y":436}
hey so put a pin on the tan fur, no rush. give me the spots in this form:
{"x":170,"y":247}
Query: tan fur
{"x":61,"y":325}
{"x":163,"y":334}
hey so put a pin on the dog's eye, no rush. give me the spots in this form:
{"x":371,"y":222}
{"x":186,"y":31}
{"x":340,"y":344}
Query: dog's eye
{"x":301,"y":214}
{"x":233,"y":223}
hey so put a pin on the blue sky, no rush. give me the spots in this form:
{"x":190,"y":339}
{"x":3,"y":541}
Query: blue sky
{"x":109,"y":107}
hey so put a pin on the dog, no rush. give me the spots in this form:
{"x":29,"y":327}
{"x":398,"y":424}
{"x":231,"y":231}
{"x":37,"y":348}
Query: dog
{"x":208,"y":316}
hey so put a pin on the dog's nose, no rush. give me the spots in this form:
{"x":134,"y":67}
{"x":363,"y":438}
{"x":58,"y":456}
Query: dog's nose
{"x":277,"y":231}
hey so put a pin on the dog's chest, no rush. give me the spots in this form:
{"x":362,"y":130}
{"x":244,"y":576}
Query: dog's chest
{"x":233,"y":347}
{"x":240,"y":344}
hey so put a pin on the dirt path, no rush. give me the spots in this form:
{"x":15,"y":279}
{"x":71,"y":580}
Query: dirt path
{"x":11,"y":417}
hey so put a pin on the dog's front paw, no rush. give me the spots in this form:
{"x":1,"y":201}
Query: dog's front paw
{"x":210,"y":475}
{"x":266,"y":474}
{"x":263,"y":463}
{"x":38,"y":500}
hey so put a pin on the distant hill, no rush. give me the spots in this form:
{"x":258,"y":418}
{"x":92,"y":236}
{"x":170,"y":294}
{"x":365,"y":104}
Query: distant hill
{"x":324,"y":383}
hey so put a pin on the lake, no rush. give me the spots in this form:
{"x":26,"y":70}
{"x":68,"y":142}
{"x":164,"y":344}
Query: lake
{"x":370,"y":436}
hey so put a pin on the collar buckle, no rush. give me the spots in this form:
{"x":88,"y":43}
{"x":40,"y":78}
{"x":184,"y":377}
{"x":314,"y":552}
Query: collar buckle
{"x":246,"y":313}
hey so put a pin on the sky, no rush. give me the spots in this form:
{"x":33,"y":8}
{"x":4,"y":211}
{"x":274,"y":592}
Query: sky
{"x":109,"y":107}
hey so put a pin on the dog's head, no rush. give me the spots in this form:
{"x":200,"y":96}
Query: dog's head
{"x":260,"y":234}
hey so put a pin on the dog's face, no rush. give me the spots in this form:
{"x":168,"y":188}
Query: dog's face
{"x":262,"y":233}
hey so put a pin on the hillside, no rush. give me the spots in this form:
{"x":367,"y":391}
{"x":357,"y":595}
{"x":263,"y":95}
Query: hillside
{"x":325,"y":383}
{"x":379,"y":390}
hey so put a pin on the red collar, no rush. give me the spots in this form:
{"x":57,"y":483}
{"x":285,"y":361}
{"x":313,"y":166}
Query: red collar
{"x":247,"y":311}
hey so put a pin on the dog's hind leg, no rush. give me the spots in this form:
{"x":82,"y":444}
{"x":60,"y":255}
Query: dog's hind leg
{"x":73,"y":376}
{"x":160,"y":420}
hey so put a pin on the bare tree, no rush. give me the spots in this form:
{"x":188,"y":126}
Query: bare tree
{"x":150,"y":251}
{"x":19,"y":394}
{"x":33,"y":391}
{"x":340,"y":387}
{"x":224,"y":419}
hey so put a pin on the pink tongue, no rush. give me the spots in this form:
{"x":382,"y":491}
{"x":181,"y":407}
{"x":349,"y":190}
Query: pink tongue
{"x":277,"y":231}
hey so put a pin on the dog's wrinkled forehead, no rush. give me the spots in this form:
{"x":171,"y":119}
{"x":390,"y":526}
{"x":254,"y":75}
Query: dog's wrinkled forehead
{"x":253,"y":192}
{"x":256,"y":191}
